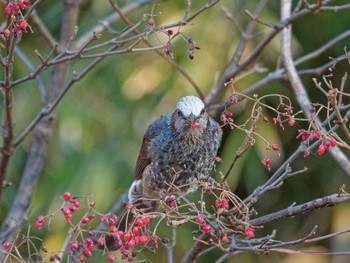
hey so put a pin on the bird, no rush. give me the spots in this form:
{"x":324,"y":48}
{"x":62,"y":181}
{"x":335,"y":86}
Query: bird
{"x":178,"y":150}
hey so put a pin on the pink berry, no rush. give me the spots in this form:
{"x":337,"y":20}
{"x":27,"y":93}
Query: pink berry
{"x":291,"y":122}
{"x":151,"y":22}
{"x":206,"y":228}
{"x":6,"y":245}
{"x":103,"y":218}
{"x":143,"y":239}
{"x":41,"y":219}
{"x":92,"y":204}
{"x":111,"y":257}
{"x":66,"y":196}
{"x":100,"y":241}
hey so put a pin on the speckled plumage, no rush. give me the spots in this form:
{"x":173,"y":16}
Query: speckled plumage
{"x":178,"y":148}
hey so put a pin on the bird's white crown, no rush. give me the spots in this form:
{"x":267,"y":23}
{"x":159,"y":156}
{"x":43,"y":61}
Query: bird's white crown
{"x":190,"y":104}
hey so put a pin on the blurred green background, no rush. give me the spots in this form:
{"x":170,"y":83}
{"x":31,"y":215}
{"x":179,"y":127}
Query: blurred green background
{"x":102,"y":119}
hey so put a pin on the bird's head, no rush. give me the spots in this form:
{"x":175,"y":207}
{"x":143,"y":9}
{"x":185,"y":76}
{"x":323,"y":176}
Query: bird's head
{"x":190,"y":116}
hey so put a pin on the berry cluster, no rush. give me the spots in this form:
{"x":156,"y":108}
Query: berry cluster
{"x":17,"y":24}
{"x":327,"y":141}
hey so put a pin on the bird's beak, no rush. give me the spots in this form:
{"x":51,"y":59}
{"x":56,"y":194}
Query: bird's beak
{"x":192,"y":121}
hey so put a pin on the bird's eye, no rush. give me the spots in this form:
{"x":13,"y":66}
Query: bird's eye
{"x":202,"y":111}
{"x":179,"y":113}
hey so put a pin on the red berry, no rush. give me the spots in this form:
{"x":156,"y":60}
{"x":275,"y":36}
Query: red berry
{"x":74,"y":246}
{"x":131,"y":243}
{"x":69,"y":217}
{"x":224,"y":203}
{"x":305,"y":135}
{"x":21,"y":4}
{"x":114,"y":217}
{"x":321,"y":149}
{"x":307,"y":153}
{"x":103,"y":218}
{"x":39,"y":225}
{"x":73,"y":209}
{"x":89,"y":244}
{"x":26,"y":2}
{"x":111,"y":257}
{"x":266,"y":161}
{"x":139,"y":222}
{"x":6,"y":245}
{"x":250,"y":233}
{"x":206,"y":228}
{"x":200,"y":220}
{"x":143,"y":239}
{"x":111,"y":222}
{"x":228,"y":114}
{"x":76,"y":204}
{"x":333,"y":142}
{"x":217,"y":203}
{"x":135,"y":231}
{"x":66,"y":196}
{"x":147,"y":220}
{"x":275,"y":147}
{"x":85,"y":220}
{"x":41,"y":219}
{"x":87,"y":253}
{"x":92,"y":204}
{"x":316,"y":135}
{"x":127,"y":236}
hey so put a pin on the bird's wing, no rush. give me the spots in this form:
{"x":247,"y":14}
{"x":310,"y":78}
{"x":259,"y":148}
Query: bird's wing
{"x":143,"y":160}
{"x":153,"y":130}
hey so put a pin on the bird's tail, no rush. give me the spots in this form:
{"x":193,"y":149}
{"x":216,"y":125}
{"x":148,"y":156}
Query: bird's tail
{"x":138,"y":204}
